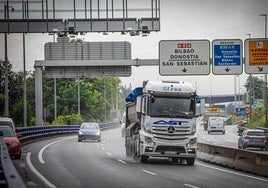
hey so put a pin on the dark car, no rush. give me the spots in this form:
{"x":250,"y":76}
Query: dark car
{"x":253,"y":138}
{"x":89,"y":131}
{"x":12,"y":141}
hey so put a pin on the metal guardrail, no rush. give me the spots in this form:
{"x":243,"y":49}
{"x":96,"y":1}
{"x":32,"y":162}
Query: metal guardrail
{"x":39,"y":132}
{"x":9,"y":177}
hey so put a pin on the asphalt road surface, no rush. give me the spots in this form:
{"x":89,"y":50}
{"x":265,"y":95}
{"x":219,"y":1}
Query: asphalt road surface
{"x":63,"y":162}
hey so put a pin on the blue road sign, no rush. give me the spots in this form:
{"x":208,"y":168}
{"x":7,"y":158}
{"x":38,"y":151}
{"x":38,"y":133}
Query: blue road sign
{"x":240,"y":111}
{"x":227,"y":56}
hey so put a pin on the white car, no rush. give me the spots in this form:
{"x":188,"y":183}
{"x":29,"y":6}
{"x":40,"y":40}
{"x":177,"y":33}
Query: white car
{"x":8,"y":122}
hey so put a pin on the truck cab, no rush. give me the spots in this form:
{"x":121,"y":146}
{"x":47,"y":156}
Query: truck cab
{"x":162,"y":122}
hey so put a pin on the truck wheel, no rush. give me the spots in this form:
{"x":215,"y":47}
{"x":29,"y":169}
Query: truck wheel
{"x":174,"y":159}
{"x":143,"y":158}
{"x":190,"y":161}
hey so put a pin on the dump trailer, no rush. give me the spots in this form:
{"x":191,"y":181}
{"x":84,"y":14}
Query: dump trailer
{"x":161,"y":121}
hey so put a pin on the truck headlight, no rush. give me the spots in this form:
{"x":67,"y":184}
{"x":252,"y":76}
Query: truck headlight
{"x":192,"y":141}
{"x":149,"y":140}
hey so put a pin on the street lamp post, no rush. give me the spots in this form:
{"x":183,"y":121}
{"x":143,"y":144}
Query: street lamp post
{"x":265,"y":75}
{"x":78,"y":95}
{"x":250,"y":87}
{"x":6,"y":68}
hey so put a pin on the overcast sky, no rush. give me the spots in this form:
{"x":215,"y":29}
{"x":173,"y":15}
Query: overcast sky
{"x":180,"y":20}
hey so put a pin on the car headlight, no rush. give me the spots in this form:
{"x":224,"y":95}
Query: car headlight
{"x":80,"y":133}
{"x":98,"y":133}
{"x":13,"y":144}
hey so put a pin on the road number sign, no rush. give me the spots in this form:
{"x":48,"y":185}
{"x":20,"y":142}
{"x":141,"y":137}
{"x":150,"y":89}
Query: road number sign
{"x":227,"y":56}
{"x":182,"y":57}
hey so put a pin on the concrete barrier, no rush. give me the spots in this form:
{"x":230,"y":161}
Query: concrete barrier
{"x":242,"y":160}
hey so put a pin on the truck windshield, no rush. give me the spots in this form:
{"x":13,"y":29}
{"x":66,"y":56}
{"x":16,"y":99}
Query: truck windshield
{"x":171,"y":107}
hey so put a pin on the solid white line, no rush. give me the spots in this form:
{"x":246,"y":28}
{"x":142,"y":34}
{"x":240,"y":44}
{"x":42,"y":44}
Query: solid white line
{"x":154,"y":174}
{"x":236,"y":173}
{"x":29,"y":163}
{"x":188,"y":185}
{"x":121,"y":161}
{"x":40,"y":154}
{"x":108,"y":153}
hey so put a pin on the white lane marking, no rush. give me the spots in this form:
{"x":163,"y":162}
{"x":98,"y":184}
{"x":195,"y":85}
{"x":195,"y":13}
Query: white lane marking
{"x":108,"y":153}
{"x":188,"y":185}
{"x":40,"y":154}
{"x":29,"y":163}
{"x":121,"y":161}
{"x":154,"y":174}
{"x":236,"y":173}
{"x":230,"y":141}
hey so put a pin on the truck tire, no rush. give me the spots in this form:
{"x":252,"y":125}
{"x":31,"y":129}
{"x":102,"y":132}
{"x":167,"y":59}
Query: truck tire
{"x":143,"y":158}
{"x":175,"y":159}
{"x":190,"y":161}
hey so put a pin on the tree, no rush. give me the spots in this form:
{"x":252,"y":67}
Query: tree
{"x":15,"y":95}
{"x":257,"y":87}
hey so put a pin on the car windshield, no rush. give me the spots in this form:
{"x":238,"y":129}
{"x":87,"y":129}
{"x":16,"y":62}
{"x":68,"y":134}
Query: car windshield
{"x":255,"y":133}
{"x":89,"y":126}
{"x":171,"y":107}
{"x":7,"y":132}
{"x":6,"y":123}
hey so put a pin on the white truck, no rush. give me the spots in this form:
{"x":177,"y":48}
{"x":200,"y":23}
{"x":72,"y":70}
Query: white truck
{"x":216,"y":124}
{"x":161,"y":122}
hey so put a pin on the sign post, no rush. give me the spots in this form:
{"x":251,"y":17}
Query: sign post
{"x":227,"y":56}
{"x":184,"y":57}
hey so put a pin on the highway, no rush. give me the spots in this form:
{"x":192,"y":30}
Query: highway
{"x":64,"y":162}
{"x":229,"y":139}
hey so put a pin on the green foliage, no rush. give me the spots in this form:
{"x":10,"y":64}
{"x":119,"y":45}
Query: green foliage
{"x":73,"y":119}
{"x":257,"y":119}
{"x":256,"y":85}
{"x":99,"y":98}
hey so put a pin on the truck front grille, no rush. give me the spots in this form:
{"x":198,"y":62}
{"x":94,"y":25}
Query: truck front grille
{"x":171,"y":132}
{"x":178,"y":149}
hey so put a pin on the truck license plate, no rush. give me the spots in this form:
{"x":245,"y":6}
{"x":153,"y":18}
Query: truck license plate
{"x":170,"y":152}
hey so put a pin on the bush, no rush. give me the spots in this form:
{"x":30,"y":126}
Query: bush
{"x":257,"y":119}
{"x":74,"y":119}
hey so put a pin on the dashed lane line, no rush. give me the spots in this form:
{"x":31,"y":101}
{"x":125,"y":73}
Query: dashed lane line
{"x":149,"y":172}
{"x":189,"y":185}
{"x":121,"y":161}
